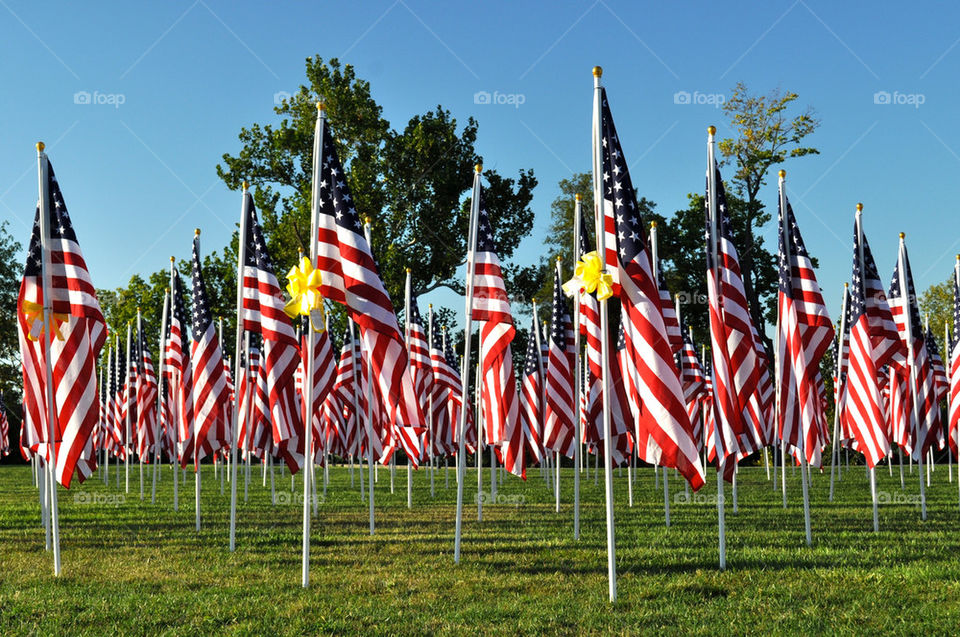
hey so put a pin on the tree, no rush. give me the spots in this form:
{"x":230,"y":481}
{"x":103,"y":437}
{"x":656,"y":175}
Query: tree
{"x":936,"y":303}
{"x":765,"y":135}
{"x":410,"y":182}
{"x":11,"y":270}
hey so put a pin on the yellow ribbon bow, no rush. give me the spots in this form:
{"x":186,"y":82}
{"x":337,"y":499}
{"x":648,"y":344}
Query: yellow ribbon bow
{"x":34,"y":311}
{"x":589,"y":277}
{"x":304,"y":288}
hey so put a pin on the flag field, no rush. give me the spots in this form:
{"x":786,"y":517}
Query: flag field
{"x":138,"y":568}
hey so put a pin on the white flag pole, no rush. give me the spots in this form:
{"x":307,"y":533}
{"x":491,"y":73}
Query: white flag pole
{"x":946,"y":347}
{"x":802,"y":363}
{"x":308,"y":375}
{"x":904,"y":291}
{"x":174,"y":387}
{"x":465,"y":364}
{"x":238,"y":368}
{"x":196,"y":463}
{"x":159,"y":371}
{"x":367,"y":229}
{"x":430,"y":432}
{"x":577,"y":468}
{"x":712,"y":192}
{"x":406,"y":330}
{"x":605,"y":331}
{"x":46,"y":282}
{"x":136,"y":392}
{"x":126,"y":407}
{"x":835,"y":449}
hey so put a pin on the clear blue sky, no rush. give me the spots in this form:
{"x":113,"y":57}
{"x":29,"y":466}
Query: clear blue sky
{"x":139,"y":176}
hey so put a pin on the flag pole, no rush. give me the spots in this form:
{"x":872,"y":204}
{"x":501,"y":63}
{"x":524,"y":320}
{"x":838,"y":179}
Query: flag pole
{"x":126,"y":416}
{"x":430,"y":431}
{"x":46,"y":283}
{"x":655,"y":259}
{"x":237,"y":367}
{"x":543,"y":389}
{"x":308,"y":367}
{"x":835,"y":450}
{"x":604,"y":341}
{"x":465,"y":365}
{"x":367,"y":230}
{"x":406,"y":330}
{"x":159,"y":369}
{"x":196,"y":462}
{"x":136,"y":393}
{"x":577,"y":214}
{"x":712,"y":190}
{"x":873,"y":473}
{"x":902,"y":263}
{"x":176,"y":425}
{"x":801,"y":434}
{"x":946,"y":347}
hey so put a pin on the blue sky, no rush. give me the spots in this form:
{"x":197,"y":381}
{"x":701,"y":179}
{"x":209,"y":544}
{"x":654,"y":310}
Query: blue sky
{"x":138,"y":176}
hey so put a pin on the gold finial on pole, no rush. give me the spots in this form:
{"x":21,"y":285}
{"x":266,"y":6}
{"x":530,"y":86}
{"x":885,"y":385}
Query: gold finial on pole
{"x":859,"y":207}
{"x":40,"y":147}
{"x":712,"y":130}
{"x":782,"y":173}
{"x":597,"y":71}
{"x":196,"y":232}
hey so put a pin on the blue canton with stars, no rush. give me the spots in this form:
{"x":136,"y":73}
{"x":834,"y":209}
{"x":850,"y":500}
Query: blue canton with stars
{"x":202,"y":319}
{"x":618,"y":189}
{"x":59,"y":224}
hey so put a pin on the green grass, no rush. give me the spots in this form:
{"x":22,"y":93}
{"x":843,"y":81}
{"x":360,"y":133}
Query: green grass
{"x":140,"y":568}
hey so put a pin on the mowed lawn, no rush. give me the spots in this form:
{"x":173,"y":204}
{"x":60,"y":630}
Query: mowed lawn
{"x":140,"y":568}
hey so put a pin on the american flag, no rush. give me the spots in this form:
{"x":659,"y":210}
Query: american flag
{"x":179,"y":372}
{"x":694,"y":385}
{"x":558,"y":430}
{"x":658,"y":402}
{"x":445,"y":391}
{"x":345,"y":391}
{"x":735,"y":364}
{"x":873,"y":343}
{"x":252,"y":421}
{"x":263,"y":314}
{"x":324,"y":376}
{"x":146,"y":394}
{"x":669,"y":311}
{"x":350,"y":276}
{"x":209,"y":391}
{"x":953,"y":429}
{"x":79,"y":332}
{"x":936,"y":363}
{"x":804,"y":335}
{"x":492,"y":308}
{"x":920,"y":407}
{"x":419,"y":354}
{"x":526,"y":438}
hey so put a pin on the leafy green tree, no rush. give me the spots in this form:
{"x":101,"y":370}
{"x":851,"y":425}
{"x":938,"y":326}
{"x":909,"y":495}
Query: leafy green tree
{"x":11,"y":272}
{"x":766,"y":134}
{"x":410,"y":182}
{"x":936,"y":304}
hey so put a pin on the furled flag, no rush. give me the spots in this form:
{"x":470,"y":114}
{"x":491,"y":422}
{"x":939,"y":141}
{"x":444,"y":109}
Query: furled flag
{"x":350,"y":276}
{"x":525,"y":439}
{"x":936,"y":364}
{"x":77,"y":333}
{"x":804,"y":335}
{"x":920,"y":406}
{"x":620,"y":409}
{"x":658,"y":402}
{"x":873,"y":343}
{"x":4,"y":428}
{"x":419,"y":355}
{"x":694,"y":384}
{"x":735,"y":363}
{"x":345,"y":391}
{"x":263,"y":314}
{"x":179,"y":373}
{"x":558,"y":429}
{"x":491,"y":307}
{"x":209,"y":389}
{"x":146,"y":394}
{"x":953,"y":429}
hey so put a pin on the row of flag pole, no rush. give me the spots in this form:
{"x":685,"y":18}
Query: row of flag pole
{"x":643,"y":394}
